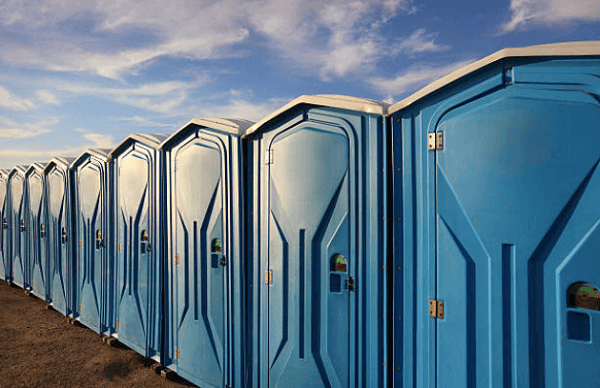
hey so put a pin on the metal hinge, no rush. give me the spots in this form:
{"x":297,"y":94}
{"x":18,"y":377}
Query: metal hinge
{"x":176,"y":259}
{"x":52,"y":295}
{"x":80,"y":244}
{"x":269,"y":157}
{"x":269,"y":276}
{"x":119,"y":247}
{"x":435,"y":141}
{"x":79,"y":308}
{"x":177,"y":354}
{"x":436,"y":309}
{"x":118,"y":324}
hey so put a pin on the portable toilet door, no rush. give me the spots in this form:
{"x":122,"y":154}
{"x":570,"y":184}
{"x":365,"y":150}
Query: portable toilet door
{"x":501,"y":178}
{"x":204,"y":295}
{"x":18,"y":215}
{"x":5,"y":261}
{"x":58,"y":194}
{"x":318,"y":244}
{"x":35,"y":232}
{"x":90,"y":235}
{"x":138,"y":244}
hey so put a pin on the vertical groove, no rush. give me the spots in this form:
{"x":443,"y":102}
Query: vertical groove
{"x":196,"y":270}
{"x":508,"y":255}
{"x":130,"y":249}
{"x":301,"y":295}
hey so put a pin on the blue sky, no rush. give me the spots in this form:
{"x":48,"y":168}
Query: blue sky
{"x":76,"y":74}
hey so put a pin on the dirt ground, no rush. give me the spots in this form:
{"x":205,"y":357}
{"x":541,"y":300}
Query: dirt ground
{"x":39,"y":348}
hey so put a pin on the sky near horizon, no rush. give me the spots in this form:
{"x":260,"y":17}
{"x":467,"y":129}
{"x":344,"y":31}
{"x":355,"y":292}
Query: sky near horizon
{"x":77,"y":74}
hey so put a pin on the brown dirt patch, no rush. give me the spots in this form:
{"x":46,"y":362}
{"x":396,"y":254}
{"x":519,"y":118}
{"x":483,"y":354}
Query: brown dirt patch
{"x":39,"y":348}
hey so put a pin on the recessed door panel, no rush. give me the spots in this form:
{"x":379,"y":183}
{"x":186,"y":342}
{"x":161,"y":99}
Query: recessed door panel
{"x":17,"y":226}
{"x":201,"y":299}
{"x":311,"y":270}
{"x":58,"y":238}
{"x":133,"y":255}
{"x":517,"y":214}
{"x":35,"y":235}
{"x":90,"y":252}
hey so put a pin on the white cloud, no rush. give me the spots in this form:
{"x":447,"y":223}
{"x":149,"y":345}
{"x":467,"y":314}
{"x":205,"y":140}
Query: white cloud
{"x":46,"y":97}
{"x":334,"y":38}
{"x":144,"y":121}
{"x":237,"y":108}
{"x":8,"y":100}
{"x":419,"y":42}
{"x":413,"y":79}
{"x":162,"y":97}
{"x":15,"y":156}
{"x":10,"y":129}
{"x":98,"y":140}
{"x":525,"y":13}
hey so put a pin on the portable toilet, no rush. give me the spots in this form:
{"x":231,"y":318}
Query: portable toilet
{"x":59,"y":223}
{"x":5,"y":261}
{"x":35,"y":231}
{"x":497,"y":189}
{"x":137,"y":232}
{"x":317,"y":238}
{"x":204,"y":297}
{"x":18,"y":215}
{"x":91,"y":223}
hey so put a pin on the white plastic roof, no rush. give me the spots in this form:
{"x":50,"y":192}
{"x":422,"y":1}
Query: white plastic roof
{"x":329,"y":100}
{"x":65,"y":162}
{"x":567,"y":49}
{"x":36,"y":166}
{"x":101,"y":153}
{"x":150,"y":139}
{"x":233,"y":126}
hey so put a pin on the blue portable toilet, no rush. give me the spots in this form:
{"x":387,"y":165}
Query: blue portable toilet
{"x":496,"y":184}
{"x":137,"y":252}
{"x":317,"y":238}
{"x":5,"y":261}
{"x":35,"y":231}
{"x":204,"y":271}
{"x":91,"y":222}
{"x":59,"y":223}
{"x":17,"y":219}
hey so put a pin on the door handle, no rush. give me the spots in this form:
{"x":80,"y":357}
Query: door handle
{"x":22,"y":227}
{"x":5,"y":224}
{"x":223,"y":262}
{"x":350,"y":284}
{"x":63,"y":236}
{"x":99,"y":241}
{"x":42,"y":231}
{"x":144,"y":243}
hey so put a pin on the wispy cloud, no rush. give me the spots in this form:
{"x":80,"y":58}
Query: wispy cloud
{"x":47,"y":97}
{"x":419,"y":41}
{"x":238,"y":108}
{"x":142,"y":121}
{"x":97,"y":140}
{"x":8,"y":100}
{"x":525,"y":13}
{"x":334,"y":38}
{"x":161,"y":97}
{"x":10,"y":129}
{"x":412,"y":79}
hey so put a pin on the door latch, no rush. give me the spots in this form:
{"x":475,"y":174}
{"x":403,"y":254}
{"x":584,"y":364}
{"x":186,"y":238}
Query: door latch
{"x":223,"y":261}
{"x":350,"y":284}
